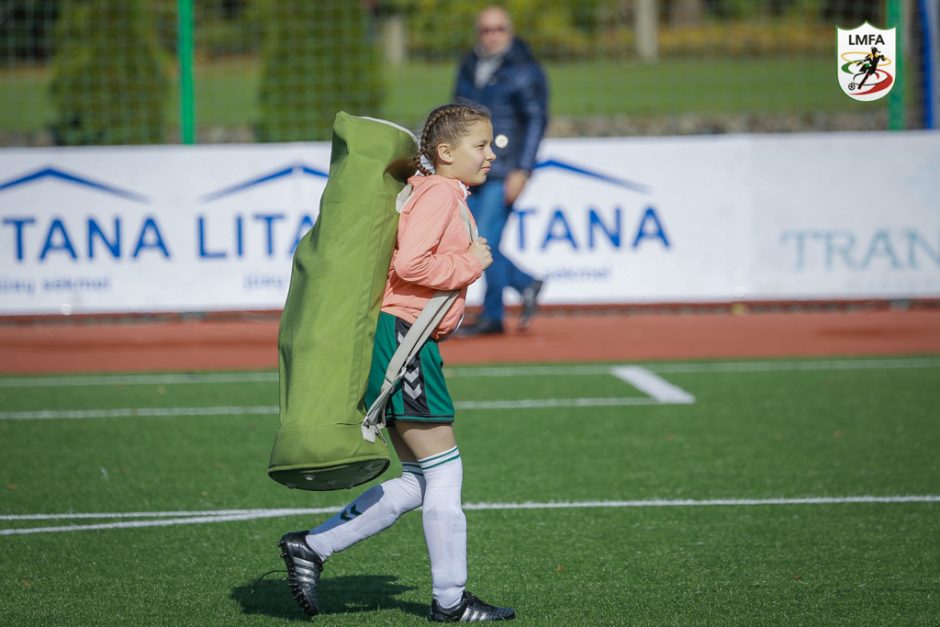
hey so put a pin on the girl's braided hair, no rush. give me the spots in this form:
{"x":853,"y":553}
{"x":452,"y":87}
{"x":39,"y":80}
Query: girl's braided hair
{"x":447,"y":124}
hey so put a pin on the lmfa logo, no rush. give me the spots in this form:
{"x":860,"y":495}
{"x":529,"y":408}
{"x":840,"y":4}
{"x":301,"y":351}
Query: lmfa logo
{"x":866,"y":63}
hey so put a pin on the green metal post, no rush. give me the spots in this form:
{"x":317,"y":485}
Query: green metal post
{"x":185,"y":51}
{"x":895,"y":15}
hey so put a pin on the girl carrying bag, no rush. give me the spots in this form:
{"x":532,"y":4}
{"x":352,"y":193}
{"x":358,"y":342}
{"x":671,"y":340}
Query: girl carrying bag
{"x":327,"y":438}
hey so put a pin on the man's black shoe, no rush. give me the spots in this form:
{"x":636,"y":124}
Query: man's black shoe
{"x":303,"y":570}
{"x":470,"y":610}
{"x":483,"y":326}
{"x":530,"y":303}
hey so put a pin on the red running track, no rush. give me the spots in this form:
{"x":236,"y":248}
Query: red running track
{"x":62,"y":346}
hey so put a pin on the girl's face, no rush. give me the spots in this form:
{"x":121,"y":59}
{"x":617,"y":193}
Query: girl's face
{"x":470,"y":159}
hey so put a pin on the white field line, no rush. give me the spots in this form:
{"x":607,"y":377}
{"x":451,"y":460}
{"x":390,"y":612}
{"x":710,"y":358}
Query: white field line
{"x":654,"y":386}
{"x":268,"y":410}
{"x":167,"y":514}
{"x":164,"y":522}
{"x":659,"y":390}
{"x":169,"y":519}
{"x":796,"y":366}
{"x":137,"y":379}
{"x":698,"y":367}
{"x":137,"y":412}
{"x":501,"y":371}
{"x":543,"y":403}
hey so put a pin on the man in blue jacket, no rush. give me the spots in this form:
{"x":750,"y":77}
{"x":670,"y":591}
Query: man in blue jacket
{"x":501,"y":73}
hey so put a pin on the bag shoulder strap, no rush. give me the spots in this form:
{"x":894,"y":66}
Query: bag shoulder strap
{"x":471,"y":225}
{"x":429,"y":319}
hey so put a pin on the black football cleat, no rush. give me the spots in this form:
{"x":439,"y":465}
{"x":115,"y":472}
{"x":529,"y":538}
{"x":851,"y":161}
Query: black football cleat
{"x":483,"y":326}
{"x":303,"y":570}
{"x":530,"y":303}
{"x":470,"y":610}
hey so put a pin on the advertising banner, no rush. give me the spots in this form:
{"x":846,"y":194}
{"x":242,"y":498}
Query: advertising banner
{"x":847,"y":216}
{"x":824,"y":216}
{"x":154,"y":229}
{"x":638,"y":220}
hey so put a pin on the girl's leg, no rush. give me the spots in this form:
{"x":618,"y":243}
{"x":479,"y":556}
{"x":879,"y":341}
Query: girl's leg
{"x":422,"y":439}
{"x":517,"y":278}
{"x":445,"y":527}
{"x":375,"y":509}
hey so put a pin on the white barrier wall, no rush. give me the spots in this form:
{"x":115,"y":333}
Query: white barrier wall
{"x":829,"y":216}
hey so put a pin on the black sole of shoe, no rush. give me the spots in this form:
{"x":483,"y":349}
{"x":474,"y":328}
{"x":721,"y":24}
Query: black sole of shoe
{"x":298,"y":596}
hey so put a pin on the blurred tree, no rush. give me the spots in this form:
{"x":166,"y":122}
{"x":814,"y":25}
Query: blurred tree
{"x":686,"y":12}
{"x":109,"y":85}
{"x":318,"y":59}
{"x":742,"y":9}
{"x":26,"y":28}
{"x":851,"y":13}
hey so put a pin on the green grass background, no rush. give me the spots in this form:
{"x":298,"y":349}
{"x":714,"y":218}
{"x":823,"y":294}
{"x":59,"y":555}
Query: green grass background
{"x":226,"y":91}
{"x":756,"y":434}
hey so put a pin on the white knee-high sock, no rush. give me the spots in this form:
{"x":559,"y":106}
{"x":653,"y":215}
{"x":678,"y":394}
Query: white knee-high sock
{"x":445,"y":528}
{"x":375,"y":509}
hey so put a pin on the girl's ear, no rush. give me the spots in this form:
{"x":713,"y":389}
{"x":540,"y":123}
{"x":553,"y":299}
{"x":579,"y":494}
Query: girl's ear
{"x":444,"y":154}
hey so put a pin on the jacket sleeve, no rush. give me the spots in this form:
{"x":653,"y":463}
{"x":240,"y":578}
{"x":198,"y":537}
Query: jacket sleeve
{"x":532,"y":103}
{"x":464,"y":86}
{"x":421,"y":257}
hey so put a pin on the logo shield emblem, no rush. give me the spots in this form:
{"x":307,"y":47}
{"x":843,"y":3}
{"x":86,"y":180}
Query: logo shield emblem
{"x":866,"y":64}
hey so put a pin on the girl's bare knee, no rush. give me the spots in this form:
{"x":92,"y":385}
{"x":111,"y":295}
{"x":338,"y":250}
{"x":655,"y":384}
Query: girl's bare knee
{"x":424,"y":439}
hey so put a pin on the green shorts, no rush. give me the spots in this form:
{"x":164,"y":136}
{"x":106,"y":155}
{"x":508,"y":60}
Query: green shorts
{"x":421,"y":395}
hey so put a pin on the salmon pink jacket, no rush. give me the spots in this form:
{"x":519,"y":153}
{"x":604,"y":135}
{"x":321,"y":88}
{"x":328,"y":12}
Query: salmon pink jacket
{"x":431,"y":253}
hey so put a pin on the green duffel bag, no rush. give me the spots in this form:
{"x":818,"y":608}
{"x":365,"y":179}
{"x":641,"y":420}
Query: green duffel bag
{"x":329,"y":320}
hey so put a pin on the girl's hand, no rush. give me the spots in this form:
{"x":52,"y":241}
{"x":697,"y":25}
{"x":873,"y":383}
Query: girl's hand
{"x":514,"y":185}
{"x":481,"y":250}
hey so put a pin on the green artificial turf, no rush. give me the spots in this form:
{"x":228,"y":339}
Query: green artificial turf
{"x":646,"y":514}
